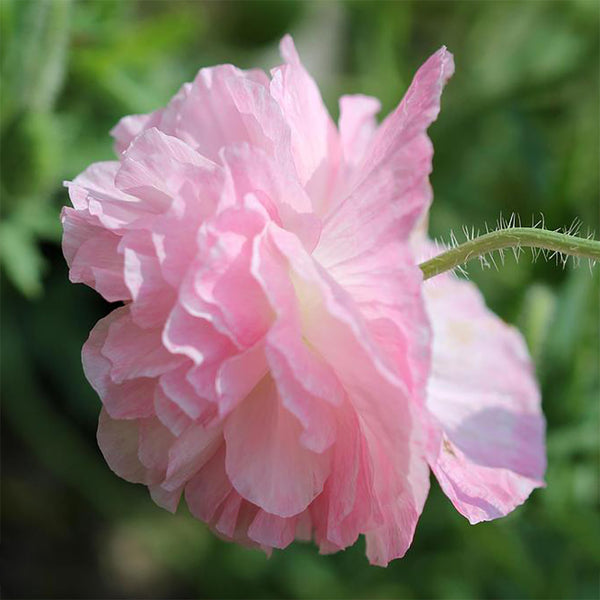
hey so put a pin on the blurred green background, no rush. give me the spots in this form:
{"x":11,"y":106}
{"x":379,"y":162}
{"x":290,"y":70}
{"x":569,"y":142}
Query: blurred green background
{"x":519,"y":131}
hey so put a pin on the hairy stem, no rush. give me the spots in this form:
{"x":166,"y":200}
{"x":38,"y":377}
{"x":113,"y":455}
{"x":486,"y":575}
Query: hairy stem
{"x":517,"y":237}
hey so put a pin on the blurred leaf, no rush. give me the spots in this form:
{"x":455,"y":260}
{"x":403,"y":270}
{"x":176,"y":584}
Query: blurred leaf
{"x":35,"y":54}
{"x":516,"y":50}
{"x":31,"y":154}
{"x":536,"y":316}
{"x":21,"y":259}
{"x":39,"y":216}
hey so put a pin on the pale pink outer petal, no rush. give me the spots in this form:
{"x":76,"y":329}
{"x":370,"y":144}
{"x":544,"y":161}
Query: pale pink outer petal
{"x":92,"y":254}
{"x":314,"y":138}
{"x":222,"y":105}
{"x":118,"y":441}
{"x":188,"y":453}
{"x":237,"y":376}
{"x":156,"y":165}
{"x":211,"y":498}
{"x":265,"y":461}
{"x":208,"y":488}
{"x":153,"y":297}
{"x":272,"y":530}
{"x":95,"y":190}
{"x":357,"y":125}
{"x":487,"y":448}
{"x":390,"y":189}
{"x":128,"y":128}
{"x":129,"y":400}
{"x":165,"y":499}
{"x":135,"y":352}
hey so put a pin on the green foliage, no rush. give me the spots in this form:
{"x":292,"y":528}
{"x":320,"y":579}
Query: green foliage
{"x":518,"y":132}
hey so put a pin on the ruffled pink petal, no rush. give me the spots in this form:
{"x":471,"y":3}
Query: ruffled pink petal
{"x":390,"y":190}
{"x":488,"y":444}
{"x":197,"y":338}
{"x":189,"y":453}
{"x":92,"y":255}
{"x":169,"y":500}
{"x":208,"y":488}
{"x":313,"y":134}
{"x":348,"y":505}
{"x":385,"y":284}
{"x":219,"y":286}
{"x":135,"y":352}
{"x":170,"y":413}
{"x":357,"y":126}
{"x":401,"y":496}
{"x":153,"y":298}
{"x":128,"y":128}
{"x":223,"y":106}
{"x":237,"y":376}
{"x":252,"y":171}
{"x":388,"y":421}
{"x":271,"y":530}
{"x":316,"y":415}
{"x":128,"y":400}
{"x":265,"y":461}
{"x":118,"y":441}
{"x":155,"y":167}
{"x":175,"y":233}
{"x":178,"y":390}
{"x":94,"y":190}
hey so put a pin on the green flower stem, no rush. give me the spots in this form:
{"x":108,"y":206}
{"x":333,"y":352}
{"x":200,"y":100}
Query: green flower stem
{"x":517,"y":237}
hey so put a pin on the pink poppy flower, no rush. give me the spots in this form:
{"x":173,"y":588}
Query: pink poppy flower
{"x":271,"y":360}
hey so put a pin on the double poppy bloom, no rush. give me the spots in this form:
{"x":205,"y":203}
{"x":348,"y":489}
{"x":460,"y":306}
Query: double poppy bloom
{"x":277,"y":358}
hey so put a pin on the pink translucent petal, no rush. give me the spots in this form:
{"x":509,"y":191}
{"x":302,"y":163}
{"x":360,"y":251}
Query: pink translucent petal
{"x":357,"y":125}
{"x":170,"y":413}
{"x":265,"y":461}
{"x":488,"y":443}
{"x":169,"y":500}
{"x":252,"y":171}
{"x":178,"y":391}
{"x":221,"y":288}
{"x":271,"y":530}
{"x":132,"y":399}
{"x":302,"y":106}
{"x":92,"y":255}
{"x":314,"y":413}
{"x":126,"y":130}
{"x":386,"y":286}
{"x":237,"y":376}
{"x":223,"y":106}
{"x":388,"y":422}
{"x":390,"y":190}
{"x":153,"y":445}
{"x":155,"y":166}
{"x":135,"y":352}
{"x":118,"y":441}
{"x":195,"y":336}
{"x":95,"y":190}
{"x":153,"y":296}
{"x":174,"y":234}
{"x":208,"y":488}
{"x":189,"y":452}
{"x":348,"y":505}
{"x":402,"y":497}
